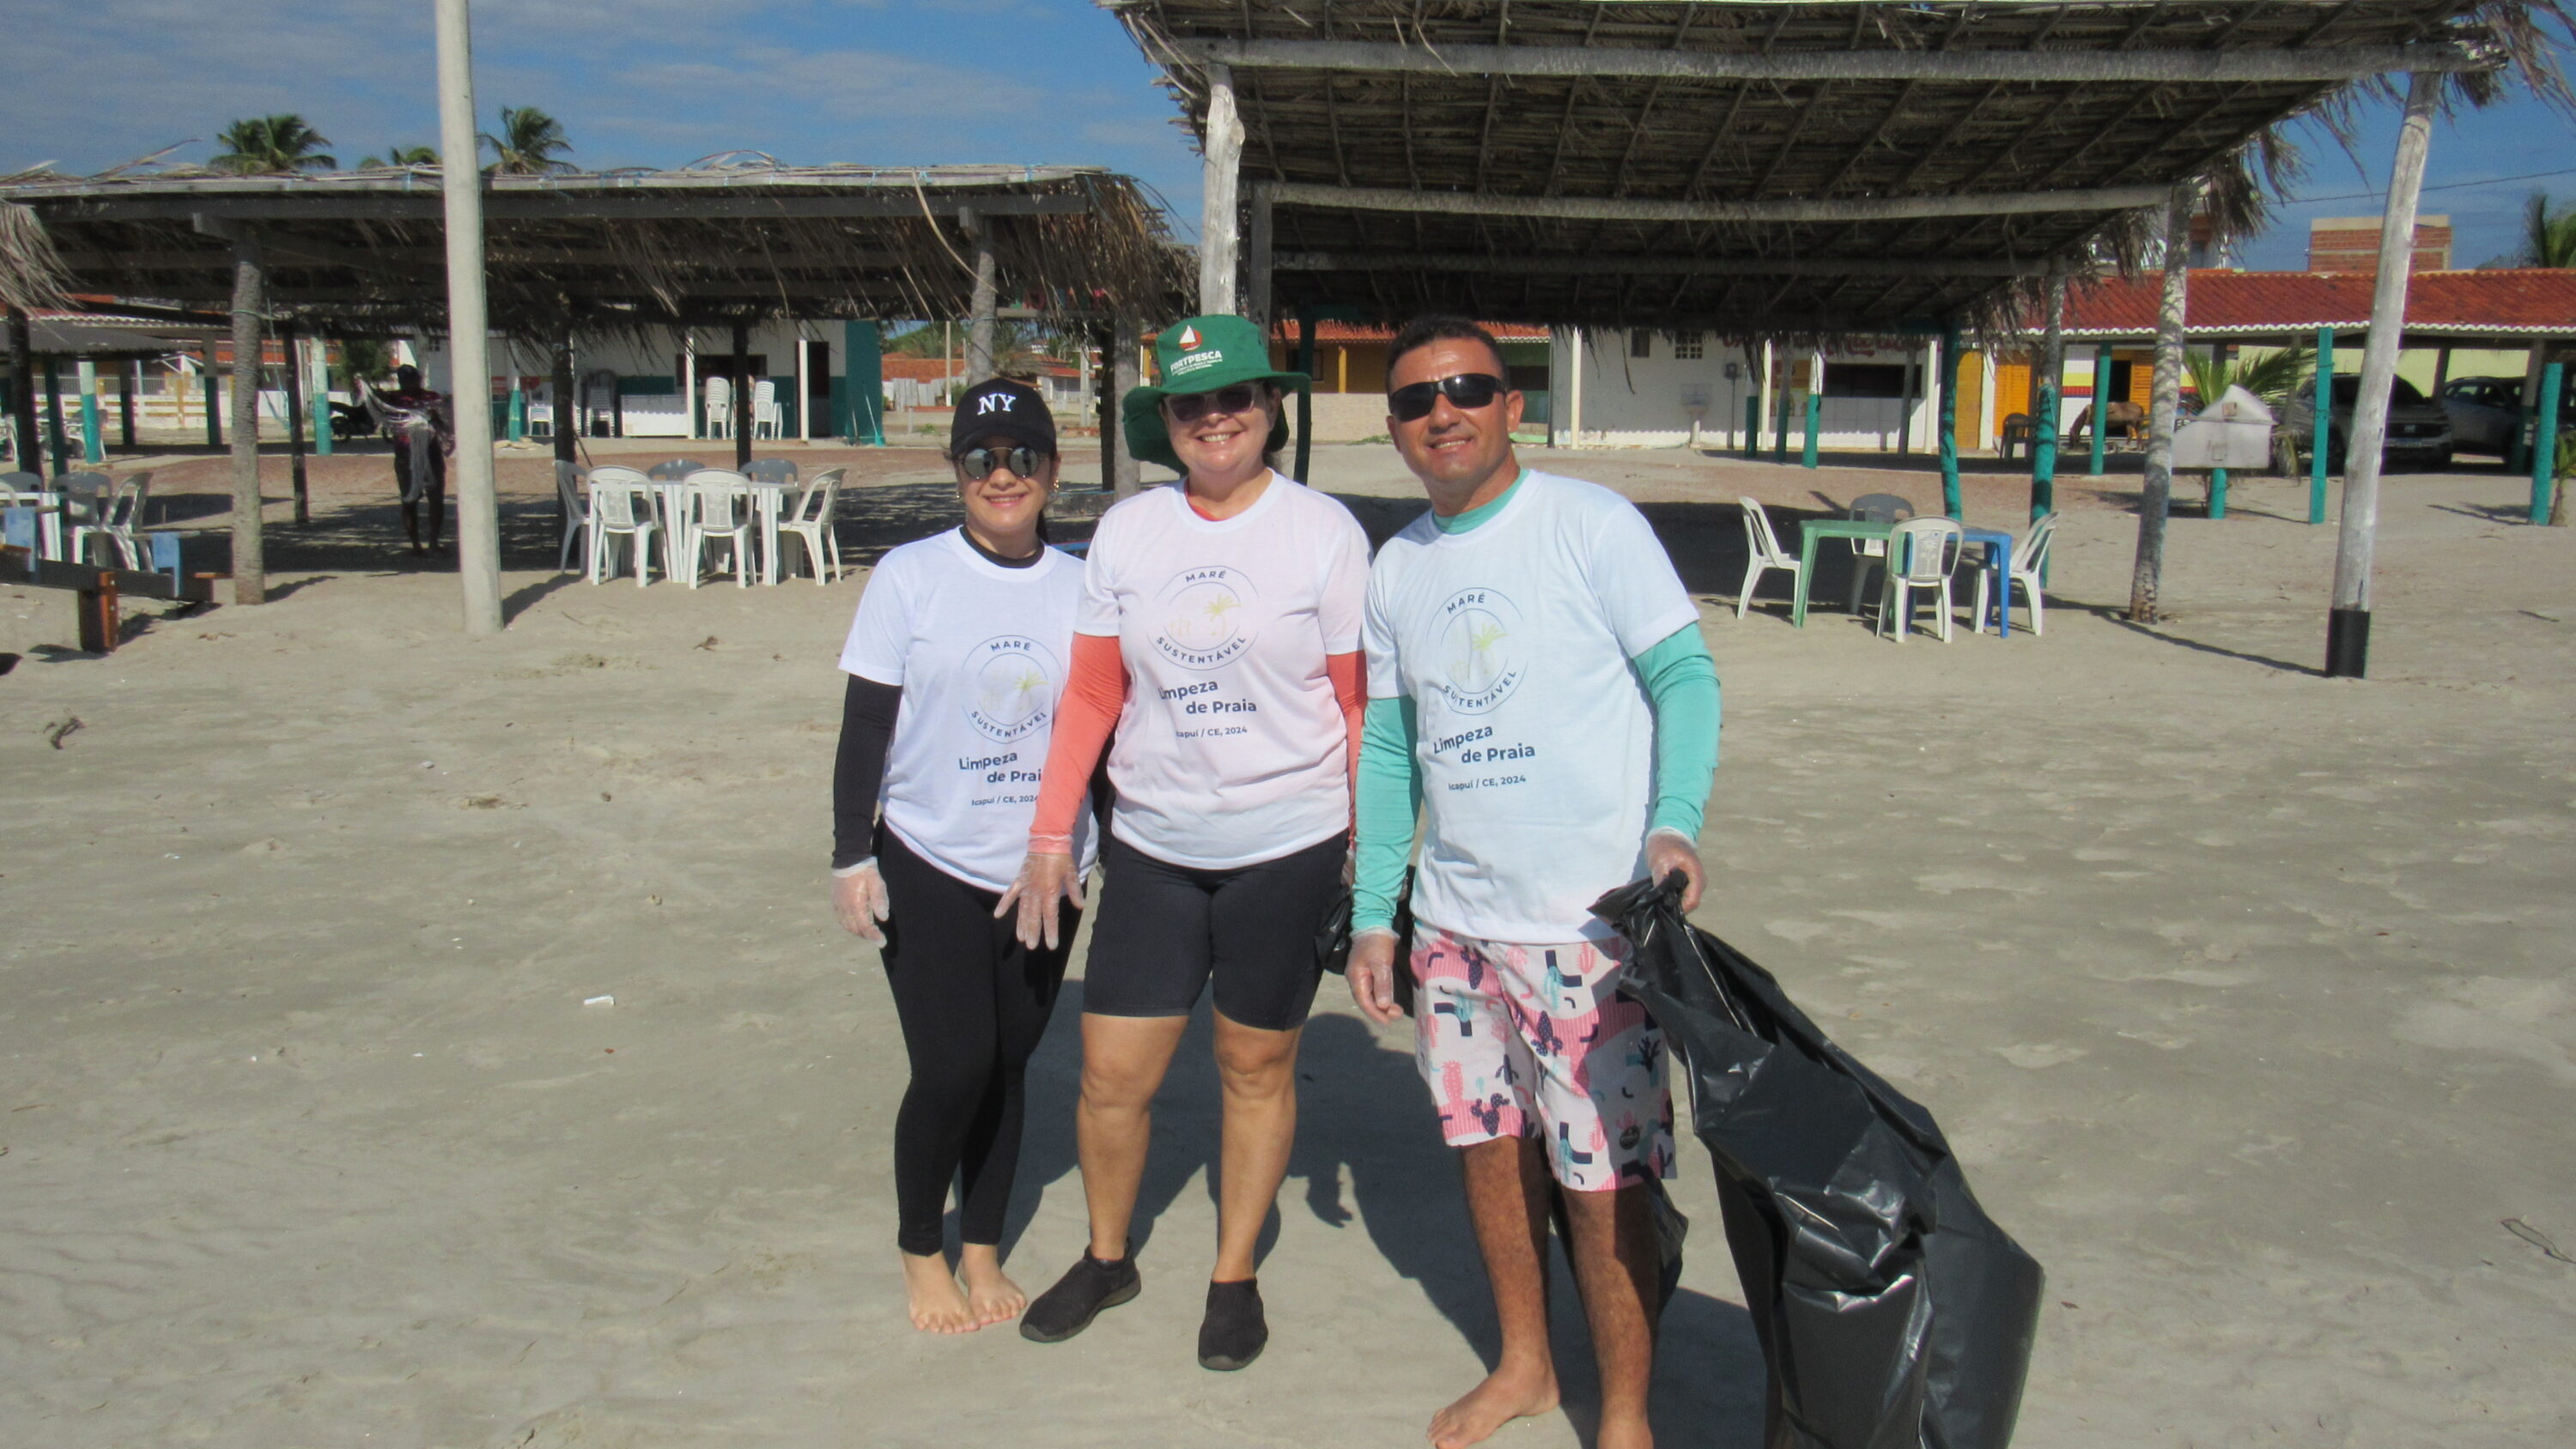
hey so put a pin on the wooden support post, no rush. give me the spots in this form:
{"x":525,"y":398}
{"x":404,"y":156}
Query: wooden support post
{"x":1125,"y":476}
{"x":93,"y":447}
{"x":129,"y":385}
{"x":741,"y":396}
{"x":979,"y":327}
{"x":1949,"y":419}
{"x":2544,"y":445}
{"x":2348,"y":624}
{"x":2049,"y":414}
{"x":214,"y":402}
{"x":1219,"y":223}
{"x":1815,"y":407}
{"x":295,"y":422}
{"x":567,"y":419}
{"x":2146,"y":574}
{"x":58,"y":444}
{"x":1257,"y":260}
{"x":469,"y":326}
{"x":22,"y":392}
{"x":2324,"y":430}
{"x":1306,"y":395}
{"x":250,"y":558}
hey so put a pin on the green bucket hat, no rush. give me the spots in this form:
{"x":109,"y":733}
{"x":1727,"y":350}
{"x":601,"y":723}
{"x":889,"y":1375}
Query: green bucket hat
{"x":1200,"y":354}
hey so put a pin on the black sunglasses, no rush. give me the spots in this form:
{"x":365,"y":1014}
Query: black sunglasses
{"x":1468,"y":391}
{"x":1023,"y":462}
{"x":1189,"y":407}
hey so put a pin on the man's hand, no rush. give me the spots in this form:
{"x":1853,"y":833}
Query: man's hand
{"x":859,"y":899}
{"x":1045,"y":877}
{"x":1372,"y":971}
{"x":1666,"y":852}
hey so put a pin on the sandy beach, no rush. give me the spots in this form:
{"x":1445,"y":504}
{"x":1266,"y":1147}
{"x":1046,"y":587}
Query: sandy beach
{"x":2244,"y":995}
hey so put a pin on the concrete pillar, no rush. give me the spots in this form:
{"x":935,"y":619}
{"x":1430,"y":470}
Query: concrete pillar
{"x":478,"y":511}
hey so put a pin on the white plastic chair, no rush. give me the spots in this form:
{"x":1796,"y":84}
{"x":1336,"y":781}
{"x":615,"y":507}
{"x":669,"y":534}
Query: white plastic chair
{"x":621,"y":506}
{"x":27,"y":490}
{"x":569,"y":478}
{"x":124,"y":514}
{"x":810,"y":524}
{"x":87,"y":501}
{"x":2029,"y":557}
{"x":1920,"y":554}
{"x":1875,"y":508}
{"x":1764,"y":553}
{"x":764,"y":409}
{"x":771,"y":470}
{"x":719,"y":393}
{"x":719,"y":512}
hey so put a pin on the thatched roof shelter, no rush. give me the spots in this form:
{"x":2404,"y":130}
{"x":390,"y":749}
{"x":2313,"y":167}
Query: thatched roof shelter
{"x":1764,"y":168}
{"x":594,"y":250}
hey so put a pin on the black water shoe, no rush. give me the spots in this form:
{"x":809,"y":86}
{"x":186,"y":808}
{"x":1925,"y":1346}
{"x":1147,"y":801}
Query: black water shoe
{"x":1235,"y":1331}
{"x":1087,"y":1287}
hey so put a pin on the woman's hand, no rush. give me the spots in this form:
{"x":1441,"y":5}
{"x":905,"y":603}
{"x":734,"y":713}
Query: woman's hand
{"x":1372,"y":971}
{"x":1045,"y":877}
{"x":860,"y":900}
{"x":1667,"y":851}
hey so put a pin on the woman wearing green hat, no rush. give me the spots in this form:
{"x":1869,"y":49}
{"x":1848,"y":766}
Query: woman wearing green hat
{"x":1219,"y":635}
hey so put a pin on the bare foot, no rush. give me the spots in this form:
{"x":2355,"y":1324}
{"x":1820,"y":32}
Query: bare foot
{"x":937,"y":1306}
{"x":1506,"y":1394}
{"x":991,"y":1296}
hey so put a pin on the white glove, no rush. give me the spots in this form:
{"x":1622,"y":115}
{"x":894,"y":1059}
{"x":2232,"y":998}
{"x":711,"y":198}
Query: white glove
{"x":859,"y":899}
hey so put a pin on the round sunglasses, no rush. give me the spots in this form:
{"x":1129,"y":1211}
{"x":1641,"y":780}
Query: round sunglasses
{"x":1023,"y":462}
{"x":1189,"y":407}
{"x":1468,"y":391}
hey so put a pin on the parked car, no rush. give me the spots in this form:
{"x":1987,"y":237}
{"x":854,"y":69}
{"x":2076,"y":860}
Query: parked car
{"x":2419,"y":431}
{"x":2485,"y":411}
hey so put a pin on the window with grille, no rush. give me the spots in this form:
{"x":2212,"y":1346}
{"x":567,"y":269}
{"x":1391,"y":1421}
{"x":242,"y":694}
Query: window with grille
{"x":1687,"y":347}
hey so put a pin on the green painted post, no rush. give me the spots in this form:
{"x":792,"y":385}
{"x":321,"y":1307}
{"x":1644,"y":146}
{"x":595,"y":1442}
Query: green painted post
{"x":322,"y":398}
{"x":1815,"y":417}
{"x":2544,"y":442}
{"x":863,"y":367}
{"x":2218,"y":493}
{"x":93,"y":447}
{"x":1780,"y":427}
{"x":518,"y":428}
{"x":2101,"y":401}
{"x":1753,"y":425}
{"x":57,"y":444}
{"x":2325,"y":425}
{"x":2043,"y":452}
{"x":1950,"y":419}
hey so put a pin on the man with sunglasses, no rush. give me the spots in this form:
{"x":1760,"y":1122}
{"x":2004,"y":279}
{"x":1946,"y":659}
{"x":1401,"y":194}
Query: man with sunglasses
{"x":1539,"y":691}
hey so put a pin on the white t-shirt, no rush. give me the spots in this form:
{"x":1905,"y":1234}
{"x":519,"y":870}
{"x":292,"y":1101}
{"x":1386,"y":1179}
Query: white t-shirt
{"x":1232,"y":749}
{"x":980,"y":652}
{"x":1536,"y":745}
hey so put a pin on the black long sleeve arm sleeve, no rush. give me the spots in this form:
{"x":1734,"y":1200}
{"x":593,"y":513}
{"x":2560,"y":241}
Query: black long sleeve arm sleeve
{"x":867,"y":729}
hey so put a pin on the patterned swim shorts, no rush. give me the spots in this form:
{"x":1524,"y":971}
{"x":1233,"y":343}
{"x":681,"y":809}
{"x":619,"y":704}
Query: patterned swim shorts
{"x":1516,"y":1040}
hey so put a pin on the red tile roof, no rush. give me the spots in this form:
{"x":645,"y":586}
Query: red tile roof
{"x":1361,"y":332}
{"x":2527,"y":303}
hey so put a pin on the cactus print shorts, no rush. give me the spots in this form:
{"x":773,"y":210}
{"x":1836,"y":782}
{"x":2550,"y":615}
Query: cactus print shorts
{"x":1538,"y":1040}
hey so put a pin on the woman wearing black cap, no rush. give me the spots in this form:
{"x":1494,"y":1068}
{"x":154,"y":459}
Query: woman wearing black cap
{"x":1219,"y":636}
{"x":960,"y":645}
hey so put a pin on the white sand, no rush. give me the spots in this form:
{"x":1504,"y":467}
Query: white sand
{"x":2243,"y":993}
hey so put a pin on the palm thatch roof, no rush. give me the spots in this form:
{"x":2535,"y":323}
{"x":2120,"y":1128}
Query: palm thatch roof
{"x":1776,"y":169}
{"x":595,"y":251}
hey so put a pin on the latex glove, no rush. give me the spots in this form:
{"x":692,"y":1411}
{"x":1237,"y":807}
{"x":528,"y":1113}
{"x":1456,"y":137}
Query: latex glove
{"x":1666,"y":852}
{"x":860,"y":900}
{"x":1045,"y":878}
{"x":1372,"y":971}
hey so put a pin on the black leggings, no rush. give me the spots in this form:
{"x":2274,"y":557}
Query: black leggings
{"x":973,"y":1003}
{"x":433,"y":491}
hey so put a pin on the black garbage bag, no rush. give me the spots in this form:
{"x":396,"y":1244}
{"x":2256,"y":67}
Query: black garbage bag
{"x":1892,"y":1312}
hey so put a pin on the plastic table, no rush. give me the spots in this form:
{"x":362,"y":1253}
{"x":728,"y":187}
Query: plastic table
{"x":1814,"y":529}
{"x":1998,"y":564}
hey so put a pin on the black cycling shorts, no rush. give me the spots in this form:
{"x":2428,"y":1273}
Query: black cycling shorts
{"x":1162,"y":931}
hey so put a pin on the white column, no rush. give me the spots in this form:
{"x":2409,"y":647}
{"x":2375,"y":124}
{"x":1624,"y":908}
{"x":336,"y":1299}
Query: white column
{"x":804,"y":384}
{"x":689,"y":381}
{"x":478,"y":515}
{"x":1574,"y":403}
{"x":2348,"y":627}
{"x":1218,"y":219}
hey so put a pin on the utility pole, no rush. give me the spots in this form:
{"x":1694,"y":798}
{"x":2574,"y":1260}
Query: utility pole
{"x":478,"y":511}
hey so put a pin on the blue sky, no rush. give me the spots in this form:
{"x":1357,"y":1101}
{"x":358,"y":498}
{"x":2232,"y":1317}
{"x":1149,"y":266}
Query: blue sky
{"x":90,"y":83}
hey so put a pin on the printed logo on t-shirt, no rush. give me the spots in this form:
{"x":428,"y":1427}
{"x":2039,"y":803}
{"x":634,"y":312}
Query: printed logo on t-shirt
{"x":1014,"y":687}
{"x":1206,"y":617}
{"x":1478,"y":654}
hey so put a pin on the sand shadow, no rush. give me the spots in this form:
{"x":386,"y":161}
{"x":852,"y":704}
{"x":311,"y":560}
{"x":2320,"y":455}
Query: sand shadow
{"x":2113,"y":614}
{"x":528,"y":596}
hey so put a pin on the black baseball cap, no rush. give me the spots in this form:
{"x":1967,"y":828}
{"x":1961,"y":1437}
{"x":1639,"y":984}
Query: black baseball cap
{"x":1002,"y":408}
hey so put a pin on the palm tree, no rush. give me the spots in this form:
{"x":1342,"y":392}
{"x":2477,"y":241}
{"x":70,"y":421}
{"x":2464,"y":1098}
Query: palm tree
{"x":2548,"y":234}
{"x":528,"y":143}
{"x":263,"y":145}
{"x":403,"y":156}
